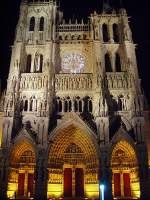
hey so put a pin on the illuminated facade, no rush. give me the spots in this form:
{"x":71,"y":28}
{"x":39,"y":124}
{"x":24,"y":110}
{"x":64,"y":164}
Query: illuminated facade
{"x":73,"y":110}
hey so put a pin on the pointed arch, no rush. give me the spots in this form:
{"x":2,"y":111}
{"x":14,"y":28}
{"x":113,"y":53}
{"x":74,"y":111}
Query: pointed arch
{"x":108,"y":65}
{"x":125,"y":168}
{"x":41,"y":63}
{"x":105,"y":33}
{"x":21,"y":170}
{"x":73,"y":146}
{"x":32,"y":24}
{"x":118,"y":62}
{"x":19,"y":148}
{"x":41,"y":25}
{"x":28,"y":63}
{"x":116,"y":33}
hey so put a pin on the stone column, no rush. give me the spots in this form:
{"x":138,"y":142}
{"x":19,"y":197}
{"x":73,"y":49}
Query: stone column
{"x":4,"y":170}
{"x":105,"y":173}
{"x":111,"y":39}
{"x":41,"y":176}
{"x":143,"y":171}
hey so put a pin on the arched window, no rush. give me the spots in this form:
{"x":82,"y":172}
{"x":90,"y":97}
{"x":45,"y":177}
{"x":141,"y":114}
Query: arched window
{"x":26,"y":105}
{"x":120,"y":106}
{"x":66,"y":106}
{"x":41,"y":63}
{"x":28,"y":63}
{"x":32,"y":24}
{"x":31,"y":105}
{"x":90,"y":106}
{"x":76,"y":106}
{"x":116,"y":33}
{"x":118,"y":63}
{"x":105,"y":33}
{"x":60,"y":106}
{"x":108,"y":66}
{"x":41,"y":27}
{"x":80,"y":106}
{"x":70,"y":105}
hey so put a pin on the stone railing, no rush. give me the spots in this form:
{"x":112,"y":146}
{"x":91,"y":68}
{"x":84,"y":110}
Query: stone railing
{"x":67,"y":82}
{"x":37,"y":36}
{"x":33,"y":81}
{"x":119,"y":80}
{"x":73,"y":82}
{"x":73,"y":27}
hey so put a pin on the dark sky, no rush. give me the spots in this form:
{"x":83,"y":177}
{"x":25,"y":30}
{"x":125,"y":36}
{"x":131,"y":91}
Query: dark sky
{"x":140,"y":24}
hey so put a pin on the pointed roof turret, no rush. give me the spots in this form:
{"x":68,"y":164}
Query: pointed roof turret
{"x":106,"y":6}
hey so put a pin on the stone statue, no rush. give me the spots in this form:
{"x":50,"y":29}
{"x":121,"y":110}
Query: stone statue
{"x":37,"y":62}
{"x":127,"y":33}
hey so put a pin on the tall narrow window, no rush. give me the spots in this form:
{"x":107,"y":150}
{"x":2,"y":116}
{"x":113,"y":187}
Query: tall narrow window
{"x":80,"y":106}
{"x":108,"y":66}
{"x":26,"y":105}
{"x":32,"y":24}
{"x":118,"y":63}
{"x":31,"y":105}
{"x":66,"y":106}
{"x":41,"y":63}
{"x":41,"y":27}
{"x":76,"y":106}
{"x":60,"y":106}
{"x":116,"y":33}
{"x":28,"y":63}
{"x":105,"y":33}
{"x":90,"y":106}
{"x":70,"y":106}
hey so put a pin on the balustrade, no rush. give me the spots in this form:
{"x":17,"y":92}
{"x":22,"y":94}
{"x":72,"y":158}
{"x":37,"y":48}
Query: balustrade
{"x":73,"y":82}
{"x":67,"y":82}
{"x":73,"y":27}
{"x":35,"y":36}
{"x":33,"y":81}
{"x":119,"y":80}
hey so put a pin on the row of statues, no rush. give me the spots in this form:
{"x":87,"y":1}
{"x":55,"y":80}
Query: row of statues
{"x":73,"y":83}
{"x":34,"y":82}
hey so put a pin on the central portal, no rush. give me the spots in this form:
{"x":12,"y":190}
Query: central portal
{"x":73,"y":165}
{"x":73,"y":182}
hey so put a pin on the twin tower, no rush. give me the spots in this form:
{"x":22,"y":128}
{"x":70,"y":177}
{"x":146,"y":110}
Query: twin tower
{"x":73,"y":114}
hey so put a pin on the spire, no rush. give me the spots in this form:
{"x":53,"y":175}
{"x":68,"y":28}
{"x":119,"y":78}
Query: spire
{"x":106,"y":6}
{"x":121,"y":4}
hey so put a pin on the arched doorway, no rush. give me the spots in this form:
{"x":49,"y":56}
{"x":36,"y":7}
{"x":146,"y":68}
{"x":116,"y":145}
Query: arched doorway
{"x":125,"y":181}
{"x":73,"y":164}
{"x":21,"y":174}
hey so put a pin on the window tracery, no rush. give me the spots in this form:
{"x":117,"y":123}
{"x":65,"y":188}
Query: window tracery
{"x":73,"y":63}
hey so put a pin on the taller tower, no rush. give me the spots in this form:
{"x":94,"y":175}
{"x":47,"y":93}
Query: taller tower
{"x":73,"y":111}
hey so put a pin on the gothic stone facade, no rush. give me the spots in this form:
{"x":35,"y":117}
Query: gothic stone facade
{"x":73,"y":115}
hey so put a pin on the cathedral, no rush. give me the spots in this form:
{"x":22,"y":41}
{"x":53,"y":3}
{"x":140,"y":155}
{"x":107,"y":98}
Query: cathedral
{"x":73,"y":117}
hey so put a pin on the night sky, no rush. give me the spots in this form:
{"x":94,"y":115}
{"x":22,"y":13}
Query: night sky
{"x":140,"y":24}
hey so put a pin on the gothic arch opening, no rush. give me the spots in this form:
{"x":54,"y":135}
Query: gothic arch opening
{"x":73,"y":165}
{"x":116,"y":33}
{"x":108,"y":65}
{"x":125,"y":171}
{"x":21,"y":175}
{"x":41,"y":25}
{"x":32,"y":24}
{"x":28,"y":63}
{"x":105,"y":32}
{"x":118,"y":62}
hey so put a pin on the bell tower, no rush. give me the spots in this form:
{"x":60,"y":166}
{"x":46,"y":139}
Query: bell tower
{"x":31,"y":74}
{"x":30,"y":89}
